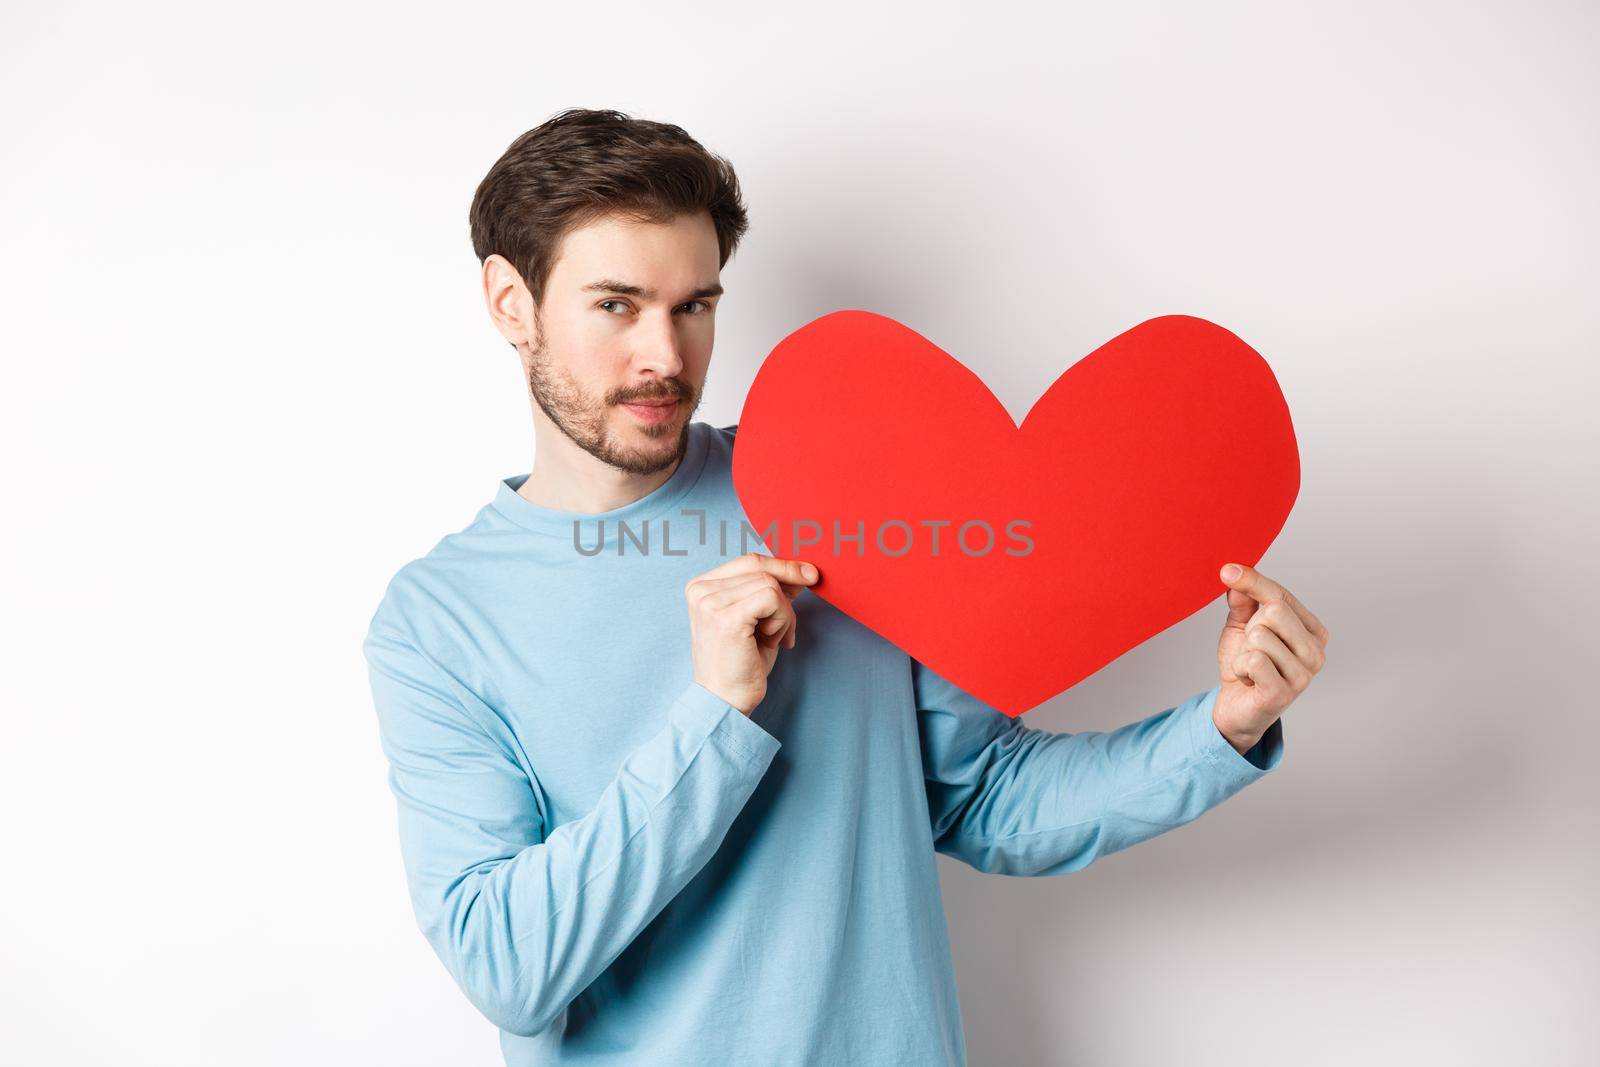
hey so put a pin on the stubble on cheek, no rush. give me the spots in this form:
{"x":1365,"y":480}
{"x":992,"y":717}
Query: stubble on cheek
{"x":586,"y":422}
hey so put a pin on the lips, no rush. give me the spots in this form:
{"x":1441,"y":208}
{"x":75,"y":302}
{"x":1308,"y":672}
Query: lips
{"x":654,"y":410}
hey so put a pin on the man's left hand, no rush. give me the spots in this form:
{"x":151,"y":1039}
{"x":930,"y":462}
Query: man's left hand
{"x":1271,"y":648}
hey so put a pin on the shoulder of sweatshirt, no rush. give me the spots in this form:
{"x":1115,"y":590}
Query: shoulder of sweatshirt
{"x":448,"y":577}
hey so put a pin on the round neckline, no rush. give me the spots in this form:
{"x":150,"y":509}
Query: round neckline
{"x":559,"y":523}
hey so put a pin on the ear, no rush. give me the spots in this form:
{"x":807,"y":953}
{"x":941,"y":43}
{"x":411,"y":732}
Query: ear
{"x":509,"y":302}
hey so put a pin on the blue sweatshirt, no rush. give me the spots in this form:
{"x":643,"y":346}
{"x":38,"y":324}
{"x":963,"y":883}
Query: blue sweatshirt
{"x":618,"y":867}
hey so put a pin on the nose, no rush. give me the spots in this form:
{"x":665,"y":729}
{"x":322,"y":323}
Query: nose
{"x":658,"y":351}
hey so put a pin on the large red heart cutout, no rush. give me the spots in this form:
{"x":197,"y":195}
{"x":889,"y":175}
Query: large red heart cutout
{"x":1148,"y":464}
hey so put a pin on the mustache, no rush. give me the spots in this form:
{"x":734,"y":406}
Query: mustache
{"x":677,"y":393}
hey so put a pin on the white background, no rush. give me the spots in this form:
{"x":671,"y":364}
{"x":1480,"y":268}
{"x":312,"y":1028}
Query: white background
{"x":248,"y":374}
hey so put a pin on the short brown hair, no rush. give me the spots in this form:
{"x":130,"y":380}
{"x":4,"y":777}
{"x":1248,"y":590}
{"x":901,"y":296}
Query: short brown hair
{"x":581,"y":165}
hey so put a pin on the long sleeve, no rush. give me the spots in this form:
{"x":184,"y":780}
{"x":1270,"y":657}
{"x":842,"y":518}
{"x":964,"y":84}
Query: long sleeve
{"x":1006,"y":798}
{"x":524,"y":916}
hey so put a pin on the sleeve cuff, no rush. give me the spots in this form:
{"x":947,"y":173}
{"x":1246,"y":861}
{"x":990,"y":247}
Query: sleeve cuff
{"x":1215,"y":750}
{"x":702,"y":711}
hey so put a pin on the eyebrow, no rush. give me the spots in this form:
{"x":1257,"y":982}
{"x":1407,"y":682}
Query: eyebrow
{"x":611,"y":285}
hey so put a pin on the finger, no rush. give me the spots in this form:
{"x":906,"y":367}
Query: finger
{"x":1256,"y":666}
{"x":1289,"y":628}
{"x":779,"y":623}
{"x":730,"y":591}
{"x":788,"y":571}
{"x":1241,"y":608}
{"x":789,"y":590}
{"x":766,"y":612}
{"x":1252,"y":583}
{"x":705,"y":588}
{"x":728,"y":607}
{"x":753,"y":598}
{"x":1291,"y":670}
{"x":788,"y":638}
{"x":1313,"y":624}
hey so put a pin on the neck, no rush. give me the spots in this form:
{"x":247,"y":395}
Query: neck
{"x":567,"y":478}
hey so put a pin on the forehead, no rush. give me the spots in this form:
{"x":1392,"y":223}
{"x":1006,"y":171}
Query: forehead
{"x":682,"y":251}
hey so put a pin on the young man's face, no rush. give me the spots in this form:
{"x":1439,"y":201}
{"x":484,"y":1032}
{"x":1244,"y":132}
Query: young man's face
{"x":619,"y":370}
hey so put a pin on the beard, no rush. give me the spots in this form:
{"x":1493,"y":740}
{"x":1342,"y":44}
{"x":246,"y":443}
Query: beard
{"x":586,"y":420}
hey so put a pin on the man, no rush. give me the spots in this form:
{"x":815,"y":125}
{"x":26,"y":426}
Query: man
{"x":660,"y":807}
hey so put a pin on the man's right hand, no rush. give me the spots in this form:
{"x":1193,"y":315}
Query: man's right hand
{"x":740,"y":615}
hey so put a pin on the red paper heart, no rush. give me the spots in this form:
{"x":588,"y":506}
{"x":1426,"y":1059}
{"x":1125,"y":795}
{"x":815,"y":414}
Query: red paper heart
{"x":1147,"y":465}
